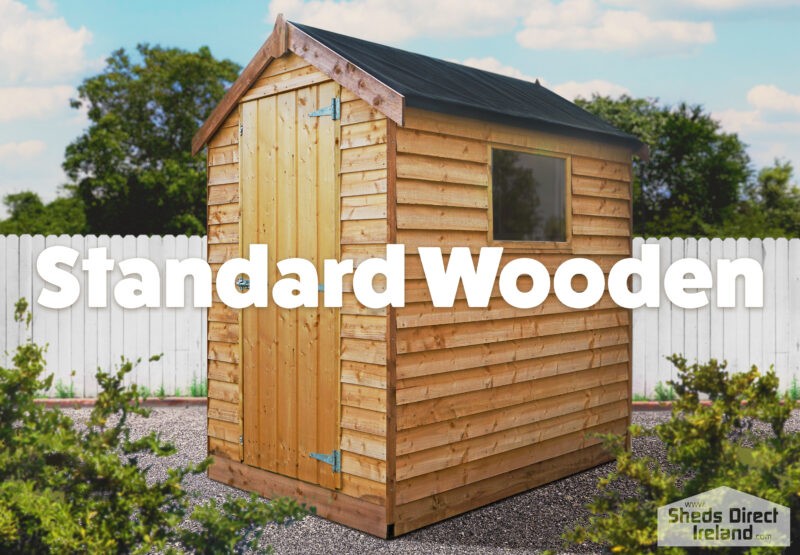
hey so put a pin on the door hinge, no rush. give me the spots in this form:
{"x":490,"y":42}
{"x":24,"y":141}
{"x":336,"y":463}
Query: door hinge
{"x":241,"y":129}
{"x":241,"y":440}
{"x":334,"y":110}
{"x":334,"y":459}
{"x":242,"y":284}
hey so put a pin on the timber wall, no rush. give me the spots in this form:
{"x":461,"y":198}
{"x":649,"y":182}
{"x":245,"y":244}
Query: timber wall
{"x":494,"y":401}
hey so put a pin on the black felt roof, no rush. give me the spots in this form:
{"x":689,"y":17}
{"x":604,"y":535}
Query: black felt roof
{"x":442,"y":86}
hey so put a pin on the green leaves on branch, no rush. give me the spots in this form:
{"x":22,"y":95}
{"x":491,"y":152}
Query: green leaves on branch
{"x":84,"y":489}
{"x":708,"y":444}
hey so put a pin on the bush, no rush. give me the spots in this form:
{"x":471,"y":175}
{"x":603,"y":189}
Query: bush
{"x":68,"y":489}
{"x":707,"y":446}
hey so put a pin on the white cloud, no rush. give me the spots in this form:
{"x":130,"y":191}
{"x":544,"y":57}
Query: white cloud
{"x":393,"y":21}
{"x":585,"y":89}
{"x":25,"y":150}
{"x":37,"y":47}
{"x":703,"y":5}
{"x":771,"y":126}
{"x":33,"y":102}
{"x":592,"y":25}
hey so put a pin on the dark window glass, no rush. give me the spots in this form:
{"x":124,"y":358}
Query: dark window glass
{"x":528,"y":197}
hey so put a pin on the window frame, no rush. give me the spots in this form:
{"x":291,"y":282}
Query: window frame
{"x":523,"y":245}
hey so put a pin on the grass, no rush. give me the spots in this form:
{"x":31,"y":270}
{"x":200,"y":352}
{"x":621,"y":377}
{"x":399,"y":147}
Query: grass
{"x":664,"y":392}
{"x":65,"y":391}
{"x":640,"y":397}
{"x":144,"y":391}
{"x":161,"y":393}
{"x":794,"y":389}
{"x":198,"y":388}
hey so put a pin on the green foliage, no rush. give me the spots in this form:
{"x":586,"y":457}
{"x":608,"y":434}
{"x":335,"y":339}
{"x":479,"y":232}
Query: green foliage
{"x":639,"y":397}
{"x":80,"y":489}
{"x":198,"y":388}
{"x":794,"y":390}
{"x":28,"y":214}
{"x":133,"y":168}
{"x":696,"y":173}
{"x":664,"y":392}
{"x":707,"y":446}
{"x":161,"y":392}
{"x":65,"y":391}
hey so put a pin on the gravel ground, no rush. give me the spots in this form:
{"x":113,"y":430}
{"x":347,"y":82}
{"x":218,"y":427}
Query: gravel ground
{"x":524,"y":524}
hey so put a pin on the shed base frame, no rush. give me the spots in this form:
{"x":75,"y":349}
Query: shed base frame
{"x":330,"y":504}
{"x":371,"y":518}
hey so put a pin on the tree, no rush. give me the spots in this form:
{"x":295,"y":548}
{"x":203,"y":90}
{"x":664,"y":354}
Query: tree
{"x":133,"y":168}
{"x":28,"y":214}
{"x":696,"y":174}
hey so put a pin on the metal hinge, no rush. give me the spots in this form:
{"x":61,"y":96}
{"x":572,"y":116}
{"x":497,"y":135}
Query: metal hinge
{"x":334,"y":459}
{"x":241,"y":440}
{"x":334,"y":110}
{"x":241,"y":129}
{"x":242,"y":284}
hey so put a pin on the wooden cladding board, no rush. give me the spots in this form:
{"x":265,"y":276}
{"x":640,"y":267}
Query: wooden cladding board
{"x":224,"y":371}
{"x":492,"y":401}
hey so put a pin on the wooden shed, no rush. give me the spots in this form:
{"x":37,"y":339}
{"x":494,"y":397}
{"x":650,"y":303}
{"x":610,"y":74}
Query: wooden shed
{"x":389,"y":420}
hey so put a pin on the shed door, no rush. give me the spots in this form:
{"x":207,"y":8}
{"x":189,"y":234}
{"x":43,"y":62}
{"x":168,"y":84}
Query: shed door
{"x":289,"y":201}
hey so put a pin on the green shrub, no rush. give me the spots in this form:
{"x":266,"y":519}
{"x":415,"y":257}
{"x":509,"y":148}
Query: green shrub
{"x":707,"y":446}
{"x":70,"y":489}
{"x":664,"y":392}
{"x":794,"y":390}
{"x":161,"y":393}
{"x":65,"y":391}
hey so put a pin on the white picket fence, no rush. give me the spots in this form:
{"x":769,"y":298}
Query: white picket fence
{"x":742,"y":336}
{"x":81,"y":339}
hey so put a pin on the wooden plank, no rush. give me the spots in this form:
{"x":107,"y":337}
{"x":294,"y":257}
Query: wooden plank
{"x":328,"y":413}
{"x":295,"y":79}
{"x":446,"y":239}
{"x":500,"y":135}
{"x":594,"y":206}
{"x":364,"y":350}
{"x":364,"y":489}
{"x":363,"y":420}
{"x":223,"y":194}
{"x":442,"y":218}
{"x":224,"y":391}
{"x":223,"y":213}
{"x":364,"y":327}
{"x":438,"y":507}
{"x":223,"y":332}
{"x":475,"y":356}
{"x":364,"y":207}
{"x":598,"y":245}
{"x":369,"y":398}
{"x":411,"y":191}
{"x":332,"y":505}
{"x":364,"y":467}
{"x":363,"y":231}
{"x":613,"y":379}
{"x":604,"y":188}
{"x":474,"y":471}
{"x":363,"y":183}
{"x":223,"y":175}
{"x":360,"y":373}
{"x":221,"y":155}
{"x":226,"y":431}
{"x":224,"y":352}
{"x":428,"y":168}
{"x":359,"y":111}
{"x":604,"y":169}
{"x":288,"y":62}
{"x":476,"y":333}
{"x":473,"y":449}
{"x":363,"y":159}
{"x":447,"y":432}
{"x":473,"y":379}
{"x":366,"y":133}
{"x":223,"y":371}
{"x":226,"y":136}
{"x":221,"y":449}
{"x":411,"y":141}
{"x":222,"y":410}
{"x":601,"y":225}
{"x":223,"y":233}
{"x":362,"y":443}
{"x":219,"y":312}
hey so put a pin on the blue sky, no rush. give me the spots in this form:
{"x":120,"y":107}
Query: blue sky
{"x":738,"y":58}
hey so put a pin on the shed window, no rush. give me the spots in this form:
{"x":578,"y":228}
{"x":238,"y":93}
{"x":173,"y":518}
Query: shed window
{"x":528,"y":197}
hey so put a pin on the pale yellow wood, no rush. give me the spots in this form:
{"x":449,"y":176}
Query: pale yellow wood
{"x":441,"y":218}
{"x":432,"y":193}
{"x":414,"y":166}
{"x":367,"y":133}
